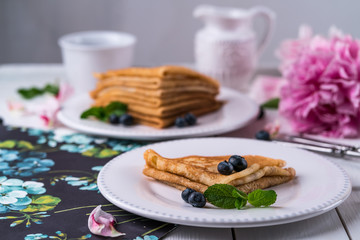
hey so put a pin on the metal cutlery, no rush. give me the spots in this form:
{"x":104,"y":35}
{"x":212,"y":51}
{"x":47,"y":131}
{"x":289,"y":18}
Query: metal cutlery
{"x":339,"y":150}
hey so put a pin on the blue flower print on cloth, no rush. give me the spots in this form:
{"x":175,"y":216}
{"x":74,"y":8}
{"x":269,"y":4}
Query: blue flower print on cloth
{"x":60,"y":236}
{"x":14,"y":193}
{"x":147,"y":237}
{"x":48,"y":185}
{"x":25,"y":164}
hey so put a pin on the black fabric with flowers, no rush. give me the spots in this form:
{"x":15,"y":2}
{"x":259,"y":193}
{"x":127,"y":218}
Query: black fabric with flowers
{"x":48,"y":186}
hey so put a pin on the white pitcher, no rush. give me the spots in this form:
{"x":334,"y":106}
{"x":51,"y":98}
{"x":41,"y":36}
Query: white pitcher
{"x":226,"y":48}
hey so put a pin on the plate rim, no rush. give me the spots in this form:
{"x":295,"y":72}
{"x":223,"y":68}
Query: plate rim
{"x":302,"y":215}
{"x":167,"y":134}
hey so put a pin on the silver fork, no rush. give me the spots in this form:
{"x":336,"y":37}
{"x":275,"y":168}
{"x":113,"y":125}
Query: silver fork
{"x":311,"y":144}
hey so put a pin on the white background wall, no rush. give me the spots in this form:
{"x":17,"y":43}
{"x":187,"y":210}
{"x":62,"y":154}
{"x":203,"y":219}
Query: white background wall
{"x":29,"y":29}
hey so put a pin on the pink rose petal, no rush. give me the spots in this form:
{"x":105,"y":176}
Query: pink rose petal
{"x":102,"y":223}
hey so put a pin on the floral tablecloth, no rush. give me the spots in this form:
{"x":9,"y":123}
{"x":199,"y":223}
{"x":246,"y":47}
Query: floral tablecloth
{"x":48,"y":186}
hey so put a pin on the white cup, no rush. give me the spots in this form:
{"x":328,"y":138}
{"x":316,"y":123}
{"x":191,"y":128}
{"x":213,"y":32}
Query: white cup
{"x":86,"y":53}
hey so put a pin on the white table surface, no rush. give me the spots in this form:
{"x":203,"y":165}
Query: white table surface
{"x":340,"y":223}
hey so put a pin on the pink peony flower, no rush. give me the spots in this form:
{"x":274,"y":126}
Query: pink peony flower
{"x":102,"y":223}
{"x":322,"y":93}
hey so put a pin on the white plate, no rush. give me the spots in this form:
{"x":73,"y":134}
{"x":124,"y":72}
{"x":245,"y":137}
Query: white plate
{"x":238,"y":111}
{"x":320,"y":185}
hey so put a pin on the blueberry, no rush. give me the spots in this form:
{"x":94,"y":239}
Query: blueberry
{"x":126,"y":119}
{"x":114,"y":119}
{"x":186,"y":193}
{"x":239,"y":163}
{"x":1,"y":121}
{"x":180,"y":122}
{"x":197,"y":199}
{"x":262,"y":135}
{"x":190,"y":119}
{"x":225,"y":168}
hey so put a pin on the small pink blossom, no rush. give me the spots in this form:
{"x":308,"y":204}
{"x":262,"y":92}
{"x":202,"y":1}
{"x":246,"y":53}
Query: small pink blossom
{"x":273,"y":128}
{"x":265,"y":88}
{"x":45,"y":107}
{"x":102,"y":223}
{"x":322,"y":94}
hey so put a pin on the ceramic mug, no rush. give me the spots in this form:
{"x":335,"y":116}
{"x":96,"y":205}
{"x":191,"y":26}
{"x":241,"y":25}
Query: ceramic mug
{"x":86,"y":53}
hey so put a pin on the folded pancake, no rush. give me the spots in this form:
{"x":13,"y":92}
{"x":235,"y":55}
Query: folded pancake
{"x":162,"y":72}
{"x":112,"y":94}
{"x":157,"y":96}
{"x":199,"y":172}
{"x":162,"y":122}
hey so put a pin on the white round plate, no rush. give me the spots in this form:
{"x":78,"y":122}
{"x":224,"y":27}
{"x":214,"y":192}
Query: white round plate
{"x":320,"y":185}
{"x":237,"y":112}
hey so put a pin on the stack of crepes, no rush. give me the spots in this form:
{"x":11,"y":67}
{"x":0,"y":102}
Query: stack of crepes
{"x":200,"y":172}
{"x":157,"y":96}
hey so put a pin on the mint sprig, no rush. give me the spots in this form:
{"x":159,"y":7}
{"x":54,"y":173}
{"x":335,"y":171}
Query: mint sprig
{"x":228,"y":197}
{"x":260,"y":198}
{"x":103,"y":113}
{"x":225,"y":196}
{"x":29,"y":93}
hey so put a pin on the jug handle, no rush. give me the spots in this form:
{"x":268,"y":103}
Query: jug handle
{"x":269,"y":17}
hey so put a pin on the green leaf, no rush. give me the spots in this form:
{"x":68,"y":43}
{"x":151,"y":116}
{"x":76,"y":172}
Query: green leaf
{"x":9,"y":217}
{"x":240,"y":203}
{"x":25,"y":145}
{"x":97,"y":112}
{"x":29,"y":93}
{"x":91,"y":152}
{"x":103,"y":113}
{"x":38,"y":208}
{"x":117,"y":108}
{"x":8,"y":144}
{"x":106,"y":153}
{"x":53,"y":89}
{"x":17,"y":222}
{"x":260,"y":197}
{"x":45,"y":199}
{"x":225,"y":196}
{"x":42,"y":203}
{"x":272,"y":103}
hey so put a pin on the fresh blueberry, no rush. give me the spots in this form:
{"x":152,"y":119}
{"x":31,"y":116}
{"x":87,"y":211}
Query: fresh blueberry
{"x":114,"y":119}
{"x":180,"y":122}
{"x":239,"y":163}
{"x":190,"y":119}
{"x":197,"y":199}
{"x":126,"y":119}
{"x":186,"y":193}
{"x":225,"y":168}
{"x":262,"y":135}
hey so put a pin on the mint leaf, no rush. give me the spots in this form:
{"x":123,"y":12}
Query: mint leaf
{"x":260,"y":197}
{"x":117,"y":108}
{"x":29,"y":93}
{"x":97,"y":112}
{"x":225,"y":196}
{"x":272,"y":103}
{"x":240,"y":203}
{"x":103,"y":113}
{"x":53,"y":89}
